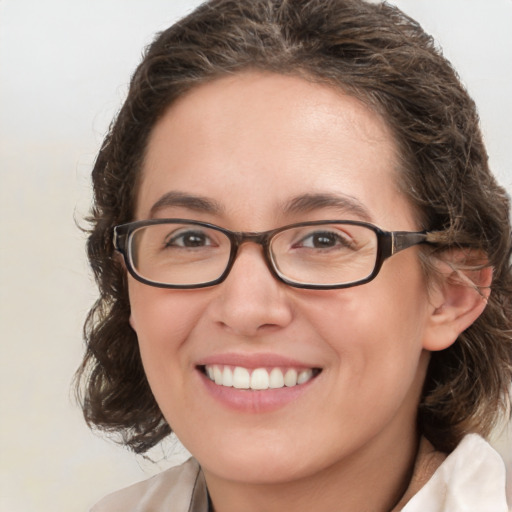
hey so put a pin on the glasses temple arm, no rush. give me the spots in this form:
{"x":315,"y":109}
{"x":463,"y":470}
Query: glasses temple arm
{"x":401,"y":240}
{"x":118,"y":240}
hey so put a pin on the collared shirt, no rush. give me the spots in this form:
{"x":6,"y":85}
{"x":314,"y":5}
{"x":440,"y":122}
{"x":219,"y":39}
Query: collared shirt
{"x":470,"y":479}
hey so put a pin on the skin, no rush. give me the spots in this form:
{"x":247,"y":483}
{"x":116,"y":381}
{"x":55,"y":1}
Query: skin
{"x":250,"y":143}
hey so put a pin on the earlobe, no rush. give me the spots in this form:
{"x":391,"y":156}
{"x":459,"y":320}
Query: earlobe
{"x":457,"y":301}
{"x":132,"y":323}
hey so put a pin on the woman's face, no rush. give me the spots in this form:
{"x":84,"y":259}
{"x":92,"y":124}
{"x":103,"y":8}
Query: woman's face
{"x":249,"y":146}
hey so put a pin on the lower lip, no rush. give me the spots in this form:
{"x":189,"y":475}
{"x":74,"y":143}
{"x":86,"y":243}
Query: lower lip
{"x":251,"y":401}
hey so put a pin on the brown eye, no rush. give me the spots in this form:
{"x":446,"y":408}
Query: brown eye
{"x":323,"y":240}
{"x":189,"y":239}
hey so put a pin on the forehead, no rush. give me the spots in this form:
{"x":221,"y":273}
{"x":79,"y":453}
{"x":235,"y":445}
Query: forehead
{"x":254,"y":140}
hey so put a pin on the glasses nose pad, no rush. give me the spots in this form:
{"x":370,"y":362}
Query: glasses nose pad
{"x":233,"y":254}
{"x":273,"y":250}
{"x":270,"y":259}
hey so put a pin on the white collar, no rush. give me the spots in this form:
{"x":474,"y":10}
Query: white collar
{"x":471,"y":479}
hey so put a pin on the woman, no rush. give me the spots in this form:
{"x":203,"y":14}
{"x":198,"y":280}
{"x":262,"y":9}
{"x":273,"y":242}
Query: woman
{"x":303,"y":263}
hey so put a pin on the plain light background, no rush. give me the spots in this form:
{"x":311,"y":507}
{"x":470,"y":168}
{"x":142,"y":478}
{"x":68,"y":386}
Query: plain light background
{"x":64,"y":69}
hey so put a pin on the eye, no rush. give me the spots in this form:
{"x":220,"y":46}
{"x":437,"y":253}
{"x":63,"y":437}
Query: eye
{"x":189,"y":239}
{"x":324,"y":240}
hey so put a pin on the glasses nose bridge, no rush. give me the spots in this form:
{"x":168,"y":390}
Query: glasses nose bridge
{"x":259,"y":238}
{"x":256,"y":237}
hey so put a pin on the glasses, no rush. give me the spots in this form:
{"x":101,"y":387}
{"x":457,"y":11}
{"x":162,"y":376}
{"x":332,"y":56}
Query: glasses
{"x":327,"y":254}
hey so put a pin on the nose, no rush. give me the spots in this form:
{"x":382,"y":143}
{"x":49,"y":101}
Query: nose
{"x":251,"y":301}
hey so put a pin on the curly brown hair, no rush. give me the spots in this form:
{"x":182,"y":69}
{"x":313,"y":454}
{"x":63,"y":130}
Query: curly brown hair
{"x":379,"y":55}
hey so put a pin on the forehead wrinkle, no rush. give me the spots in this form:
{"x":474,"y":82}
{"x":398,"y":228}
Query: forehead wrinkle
{"x":306,"y":203}
{"x":196,"y":203}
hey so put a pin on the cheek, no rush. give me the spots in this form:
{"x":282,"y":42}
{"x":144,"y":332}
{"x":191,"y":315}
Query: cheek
{"x":375,"y":331}
{"x":163,"y":320}
{"x":361,"y":317}
{"x":158,"y":312}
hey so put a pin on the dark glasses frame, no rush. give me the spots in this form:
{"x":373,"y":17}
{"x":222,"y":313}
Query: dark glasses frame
{"x":388,"y":244}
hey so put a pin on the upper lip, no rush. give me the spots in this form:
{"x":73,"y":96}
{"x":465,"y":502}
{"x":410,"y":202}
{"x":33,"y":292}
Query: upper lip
{"x":257,"y":360}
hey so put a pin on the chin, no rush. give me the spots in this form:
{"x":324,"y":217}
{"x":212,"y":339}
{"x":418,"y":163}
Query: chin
{"x":262,"y":469}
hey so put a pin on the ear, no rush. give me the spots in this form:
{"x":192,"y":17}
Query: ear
{"x":121,"y":262}
{"x":459,"y":296}
{"x":132,"y":322}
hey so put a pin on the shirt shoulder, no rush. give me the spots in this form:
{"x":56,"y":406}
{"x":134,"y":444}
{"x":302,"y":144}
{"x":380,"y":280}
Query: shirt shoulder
{"x":470,"y":479}
{"x":180,"y":489}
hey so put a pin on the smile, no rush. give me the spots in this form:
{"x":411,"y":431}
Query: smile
{"x":258,"y":379}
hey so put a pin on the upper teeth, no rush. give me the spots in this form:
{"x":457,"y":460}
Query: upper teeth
{"x":260,"y":378}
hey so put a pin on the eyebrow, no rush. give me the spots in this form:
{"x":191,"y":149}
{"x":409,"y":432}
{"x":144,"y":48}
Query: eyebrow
{"x":346,"y":204}
{"x":303,"y":203}
{"x":192,"y":202}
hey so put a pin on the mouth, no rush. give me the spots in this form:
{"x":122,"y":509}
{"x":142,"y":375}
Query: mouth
{"x":258,"y":379}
